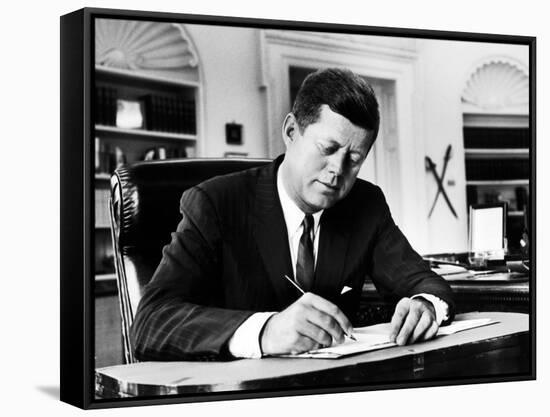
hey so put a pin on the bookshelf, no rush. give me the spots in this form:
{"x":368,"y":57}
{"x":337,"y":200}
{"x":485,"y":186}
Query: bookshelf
{"x":146,"y":101}
{"x":143,"y":109}
{"x":138,"y":134}
{"x":496,"y":153}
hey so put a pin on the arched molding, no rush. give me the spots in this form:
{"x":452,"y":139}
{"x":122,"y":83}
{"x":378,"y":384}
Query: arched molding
{"x":495,"y":59}
{"x":153,"y":48}
{"x":496,"y":85}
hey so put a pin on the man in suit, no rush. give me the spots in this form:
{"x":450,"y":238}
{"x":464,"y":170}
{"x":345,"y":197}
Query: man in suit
{"x":223,"y":286}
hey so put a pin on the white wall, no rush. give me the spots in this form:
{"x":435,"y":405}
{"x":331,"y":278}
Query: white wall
{"x":444,"y":69}
{"x":230,"y":68}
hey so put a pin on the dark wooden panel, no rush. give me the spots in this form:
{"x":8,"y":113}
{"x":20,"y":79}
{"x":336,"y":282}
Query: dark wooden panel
{"x":108,"y":333}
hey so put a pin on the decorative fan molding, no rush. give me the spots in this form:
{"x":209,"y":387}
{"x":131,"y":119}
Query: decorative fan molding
{"x":138,"y":45}
{"x":497,"y":85}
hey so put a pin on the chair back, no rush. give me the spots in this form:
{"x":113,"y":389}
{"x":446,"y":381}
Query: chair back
{"x":144,"y":211}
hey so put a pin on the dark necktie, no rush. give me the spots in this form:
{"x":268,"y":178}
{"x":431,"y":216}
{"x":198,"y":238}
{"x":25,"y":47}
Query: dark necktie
{"x":305,"y":262}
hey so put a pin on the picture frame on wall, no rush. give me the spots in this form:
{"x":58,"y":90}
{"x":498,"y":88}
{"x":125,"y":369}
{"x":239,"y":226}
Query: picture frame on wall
{"x":140,"y":180}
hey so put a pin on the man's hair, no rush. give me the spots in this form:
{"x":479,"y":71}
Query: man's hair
{"x":344,"y":92}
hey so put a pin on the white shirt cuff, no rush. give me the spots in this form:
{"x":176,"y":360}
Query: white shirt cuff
{"x":440,"y":306}
{"x":245,"y":342}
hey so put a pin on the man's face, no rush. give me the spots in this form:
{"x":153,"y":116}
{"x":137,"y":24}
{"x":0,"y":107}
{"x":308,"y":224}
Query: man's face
{"x":322,"y":163}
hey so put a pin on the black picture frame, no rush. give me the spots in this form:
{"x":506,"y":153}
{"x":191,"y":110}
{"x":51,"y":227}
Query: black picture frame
{"x":77,"y":210}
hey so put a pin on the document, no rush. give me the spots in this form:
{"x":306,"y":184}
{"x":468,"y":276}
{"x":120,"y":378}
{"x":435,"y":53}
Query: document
{"x":453,"y":272}
{"x":377,"y":337}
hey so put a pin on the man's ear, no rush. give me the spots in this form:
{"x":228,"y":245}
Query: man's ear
{"x":290,"y":128}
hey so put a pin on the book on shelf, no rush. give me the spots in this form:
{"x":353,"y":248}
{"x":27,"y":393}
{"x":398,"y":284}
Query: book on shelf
{"x":496,"y":138}
{"x":169,"y":114}
{"x":105,"y":105}
{"x":497,"y":169}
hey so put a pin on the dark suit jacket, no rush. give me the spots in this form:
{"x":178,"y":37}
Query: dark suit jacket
{"x":230,"y":251}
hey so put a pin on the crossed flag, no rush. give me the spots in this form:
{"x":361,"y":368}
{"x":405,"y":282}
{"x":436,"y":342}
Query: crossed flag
{"x":431,"y":166}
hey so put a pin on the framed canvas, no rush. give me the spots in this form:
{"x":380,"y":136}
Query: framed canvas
{"x":160,"y":279}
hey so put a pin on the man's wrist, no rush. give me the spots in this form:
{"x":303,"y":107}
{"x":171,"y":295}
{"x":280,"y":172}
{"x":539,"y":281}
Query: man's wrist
{"x":245,"y":342}
{"x":262,"y":337}
{"x":441,"y":307}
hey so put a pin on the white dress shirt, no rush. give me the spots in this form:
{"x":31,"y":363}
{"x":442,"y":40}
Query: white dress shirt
{"x":245,"y":342}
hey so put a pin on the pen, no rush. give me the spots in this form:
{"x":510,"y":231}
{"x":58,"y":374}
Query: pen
{"x":293,"y":283}
{"x":351,"y":336}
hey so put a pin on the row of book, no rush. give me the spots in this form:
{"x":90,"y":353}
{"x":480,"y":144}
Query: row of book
{"x":105,"y":105}
{"x":497,"y":169}
{"x":496,"y":138}
{"x":108,"y":157}
{"x":170,"y":114}
{"x":160,"y":113}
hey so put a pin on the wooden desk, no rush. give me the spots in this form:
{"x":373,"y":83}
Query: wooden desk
{"x":510,"y":295}
{"x":498,"y":349}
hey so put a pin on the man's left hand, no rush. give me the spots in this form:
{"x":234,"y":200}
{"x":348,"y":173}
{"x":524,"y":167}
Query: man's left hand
{"x":413,"y":319}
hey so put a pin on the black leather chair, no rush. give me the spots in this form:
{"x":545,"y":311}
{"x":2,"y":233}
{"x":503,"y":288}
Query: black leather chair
{"x":144,"y":208}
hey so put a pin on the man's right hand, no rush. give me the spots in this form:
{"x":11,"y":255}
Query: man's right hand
{"x":311,"y":322}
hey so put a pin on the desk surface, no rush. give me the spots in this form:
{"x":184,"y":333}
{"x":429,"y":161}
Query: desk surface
{"x":494,"y":283}
{"x":505,"y":344}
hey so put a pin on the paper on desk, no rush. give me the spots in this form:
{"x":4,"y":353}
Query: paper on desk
{"x":376,"y":337}
{"x":452,"y":272}
{"x":460,"y":325}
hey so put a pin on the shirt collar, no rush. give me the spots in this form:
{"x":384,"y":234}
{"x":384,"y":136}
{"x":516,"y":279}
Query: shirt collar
{"x":292,"y":214}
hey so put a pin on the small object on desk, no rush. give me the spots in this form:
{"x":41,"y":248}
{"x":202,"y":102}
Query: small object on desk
{"x":434,"y":262}
{"x":494,"y":276}
{"x":487,"y":235}
{"x":496,"y":270}
{"x":452,"y":272}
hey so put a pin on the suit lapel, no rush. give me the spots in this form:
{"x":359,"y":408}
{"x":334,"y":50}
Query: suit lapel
{"x":271,"y":235}
{"x":331,"y":255}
